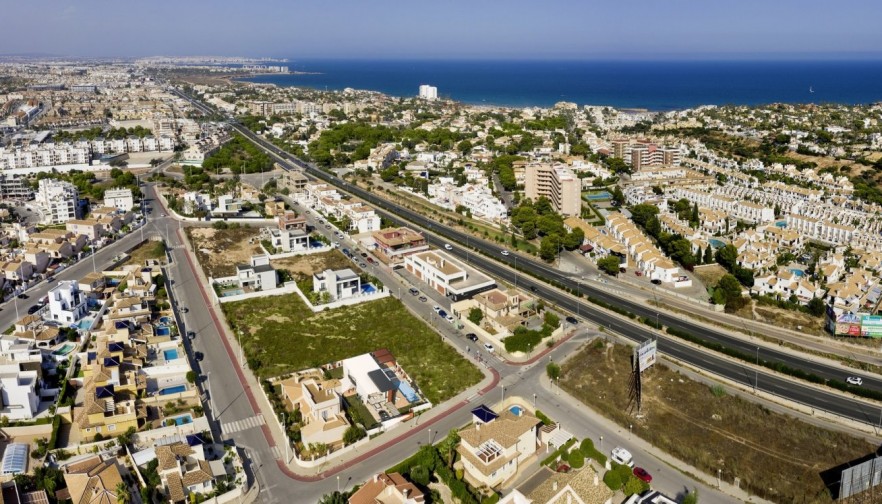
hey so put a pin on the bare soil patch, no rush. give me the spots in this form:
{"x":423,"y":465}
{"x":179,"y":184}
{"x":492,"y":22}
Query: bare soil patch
{"x":220,"y":250}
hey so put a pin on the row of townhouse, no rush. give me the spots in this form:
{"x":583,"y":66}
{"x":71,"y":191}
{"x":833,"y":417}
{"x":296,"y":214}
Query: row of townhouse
{"x":857,"y":292}
{"x":325,"y":198}
{"x":784,"y":283}
{"x":821,"y":230}
{"x":596,"y":241}
{"x":80,"y":152}
{"x":646,"y":256}
{"x":738,"y":209}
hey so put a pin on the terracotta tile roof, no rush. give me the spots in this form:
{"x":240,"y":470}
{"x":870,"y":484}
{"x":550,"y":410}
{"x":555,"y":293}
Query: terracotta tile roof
{"x":371,"y":492}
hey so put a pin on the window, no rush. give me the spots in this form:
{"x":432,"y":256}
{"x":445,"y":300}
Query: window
{"x":111,"y":427}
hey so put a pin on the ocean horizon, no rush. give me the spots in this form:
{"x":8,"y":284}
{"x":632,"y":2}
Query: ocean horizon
{"x":631,"y":84}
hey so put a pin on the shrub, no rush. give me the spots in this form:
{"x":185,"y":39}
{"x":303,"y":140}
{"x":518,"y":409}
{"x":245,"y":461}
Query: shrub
{"x":588,"y":450}
{"x":634,"y":486}
{"x":544,"y":418}
{"x":419,"y":475}
{"x":576,"y":459}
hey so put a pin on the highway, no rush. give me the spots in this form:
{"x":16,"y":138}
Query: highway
{"x":821,"y":399}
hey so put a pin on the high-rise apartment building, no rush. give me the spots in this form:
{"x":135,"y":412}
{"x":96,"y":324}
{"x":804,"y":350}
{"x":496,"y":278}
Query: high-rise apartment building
{"x":558,"y":184}
{"x":428,"y":92}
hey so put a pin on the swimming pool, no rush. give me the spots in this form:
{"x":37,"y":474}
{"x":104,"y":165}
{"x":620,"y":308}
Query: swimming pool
{"x":173,"y":390}
{"x":164,"y":320}
{"x":171,"y":354}
{"x":603,"y":195}
{"x":233,"y":292}
{"x":408,"y":392}
{"x":64,"y":350}
{"x":516,"y":410}
{"x":716,"y":243}
{"x":368,"y":289}
{"x":83,"y":324}
{"x":797,"y":272}
{"x":162,"y":330}
{"x":781,"y":224}
{"x":183,"y":419}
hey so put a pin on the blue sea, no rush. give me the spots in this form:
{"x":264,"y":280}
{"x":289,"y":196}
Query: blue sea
{"x":653,"y":85}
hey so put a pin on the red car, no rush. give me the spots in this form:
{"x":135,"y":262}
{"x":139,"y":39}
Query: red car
{"x":642,"y":474}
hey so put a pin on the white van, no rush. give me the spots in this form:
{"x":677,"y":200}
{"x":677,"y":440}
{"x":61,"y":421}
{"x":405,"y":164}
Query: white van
{"x":622,"y":456}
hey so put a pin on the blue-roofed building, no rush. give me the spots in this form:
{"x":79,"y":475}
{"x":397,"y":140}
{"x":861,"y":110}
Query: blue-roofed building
{"x":483,"y":414}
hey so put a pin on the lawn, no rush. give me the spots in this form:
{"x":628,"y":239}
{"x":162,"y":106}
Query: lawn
{"x":145,"y":251}
{"x":776,"y":456}
{"x":281,"y":335}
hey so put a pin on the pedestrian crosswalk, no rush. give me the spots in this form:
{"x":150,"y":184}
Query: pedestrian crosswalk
{"x":239,"y":425}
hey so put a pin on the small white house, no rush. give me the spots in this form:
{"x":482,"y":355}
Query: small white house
{"x":258,"y":275}
{"x":66,"y":302}
{"x":341,"y":284}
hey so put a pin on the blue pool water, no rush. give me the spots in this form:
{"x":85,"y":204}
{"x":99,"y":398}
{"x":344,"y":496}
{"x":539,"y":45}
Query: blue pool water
{"x":234,"y":292}
{"x":408,"y":392}
{"x":162,"y":331}
{"x":603,"y":195}
{"x":164,"y":320}
{"x":83,"y":324}
{"x":781,"y":224}
{"x":173,"y":390}
{"x":716,"y":243}
{"x":797,"y":272}
{"x":516,"y":410}
{"x":170,"y":354}
{"x":183,"y":419}
{"x":368,"y":289}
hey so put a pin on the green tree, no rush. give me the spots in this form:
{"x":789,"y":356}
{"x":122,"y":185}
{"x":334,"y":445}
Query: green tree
{"x":816,"y":307}
{"x":695,"y":219}
{"x":419,"y":474}
{"x":731,"y":291}
{"x":191,"y":376}
{"x":353,"y":434}
{"x":642,"y":212}
{"x":333,"y":498}
{"x":609,"y":264}
{"x":552,"y":369}
{"x":727,"y":256}
{"x":476,"y":315}
{"x":634,"y":486}
{"x":691,"y":497}
{"x":574,"y":239}
{"x":549,"y":247}
{"x":123,"y":494}
{"x":708,"y":255}
{"x":618,"y":196}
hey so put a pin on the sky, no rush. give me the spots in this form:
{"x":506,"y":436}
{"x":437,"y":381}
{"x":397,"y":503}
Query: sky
{"x":447,"y":29}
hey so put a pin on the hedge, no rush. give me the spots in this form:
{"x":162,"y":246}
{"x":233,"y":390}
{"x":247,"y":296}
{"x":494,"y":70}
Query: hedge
{"x":545,"y":419}
{"x":588,"y":450}
{"x":576,"y":458}
{"x":557,"y":453}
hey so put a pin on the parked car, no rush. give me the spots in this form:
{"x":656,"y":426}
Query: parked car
{"x":370,"y":260}
{"x":572,"y":320}
{"x":437,"y":308}
{"x":185,"y":310}
{"x":656,"y":281}
{"x":23,"y":296}
{"x":364,"y":254}
{"x":50,"y":278}
{"x":423,"y":299}
{"x":642,"y":474}
{"x":33,"y":309}
{"x":854,"y":380}
{"x":472,"y":336}
{"x":638,"y":273}
{"x":622,"y":456}
{"x":447,"y":246}
{"x":199,"y":356}
{"x":450,"y":318}
{"x":442,"y":314}
{"x":191,"y":335}
{"x":488,"y":347}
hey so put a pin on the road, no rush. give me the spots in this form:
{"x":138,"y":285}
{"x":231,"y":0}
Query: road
{"x":505,"y":268}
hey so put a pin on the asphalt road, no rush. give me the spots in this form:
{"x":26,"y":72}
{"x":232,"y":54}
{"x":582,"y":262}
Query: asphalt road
{"x":439,"y":235}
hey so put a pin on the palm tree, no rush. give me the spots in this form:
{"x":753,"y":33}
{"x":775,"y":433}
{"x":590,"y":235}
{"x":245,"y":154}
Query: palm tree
{"x":123,"y":494}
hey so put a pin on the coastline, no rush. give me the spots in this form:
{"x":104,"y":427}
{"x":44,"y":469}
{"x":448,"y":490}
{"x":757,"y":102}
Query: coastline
{"x":657,"y":86}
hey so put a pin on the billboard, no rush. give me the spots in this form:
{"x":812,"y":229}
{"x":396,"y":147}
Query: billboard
{"x":871,"y":326}
{"x":646,"y":354}
{"x":847,"y":324}
{"x":860,"y":478}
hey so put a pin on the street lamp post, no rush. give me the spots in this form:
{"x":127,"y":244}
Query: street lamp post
{"x":601,"y":443}
{"x":534,"y":402}
{"x":503,"y":394}
{"x":719,"y":476}
{"x":285,"y":435}
{"x":630,"y":428}
{"x":338,"y":484}
{"x":430,"y":436}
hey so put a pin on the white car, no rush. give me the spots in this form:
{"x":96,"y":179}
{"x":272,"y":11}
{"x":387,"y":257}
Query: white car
{"x":504,"y":252}
{"x":622,"y":456}
{"x":447,"y":246}
{"x":488,"y":347}
{"x":854,"y":380}
{"x":436,"y":308}
{"x":450,"y":318}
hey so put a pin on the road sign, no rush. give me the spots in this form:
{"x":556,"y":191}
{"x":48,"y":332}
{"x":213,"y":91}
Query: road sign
{"x":860,"y":478}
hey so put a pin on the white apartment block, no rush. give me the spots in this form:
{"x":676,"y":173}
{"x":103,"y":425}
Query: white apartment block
{"x":67,"y":304}
{"x":738,"y":209}
{"x":57,"y":200}
{"x":558,"y":184}
{"x":428,"y":92}
{"x":119,"y":198}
